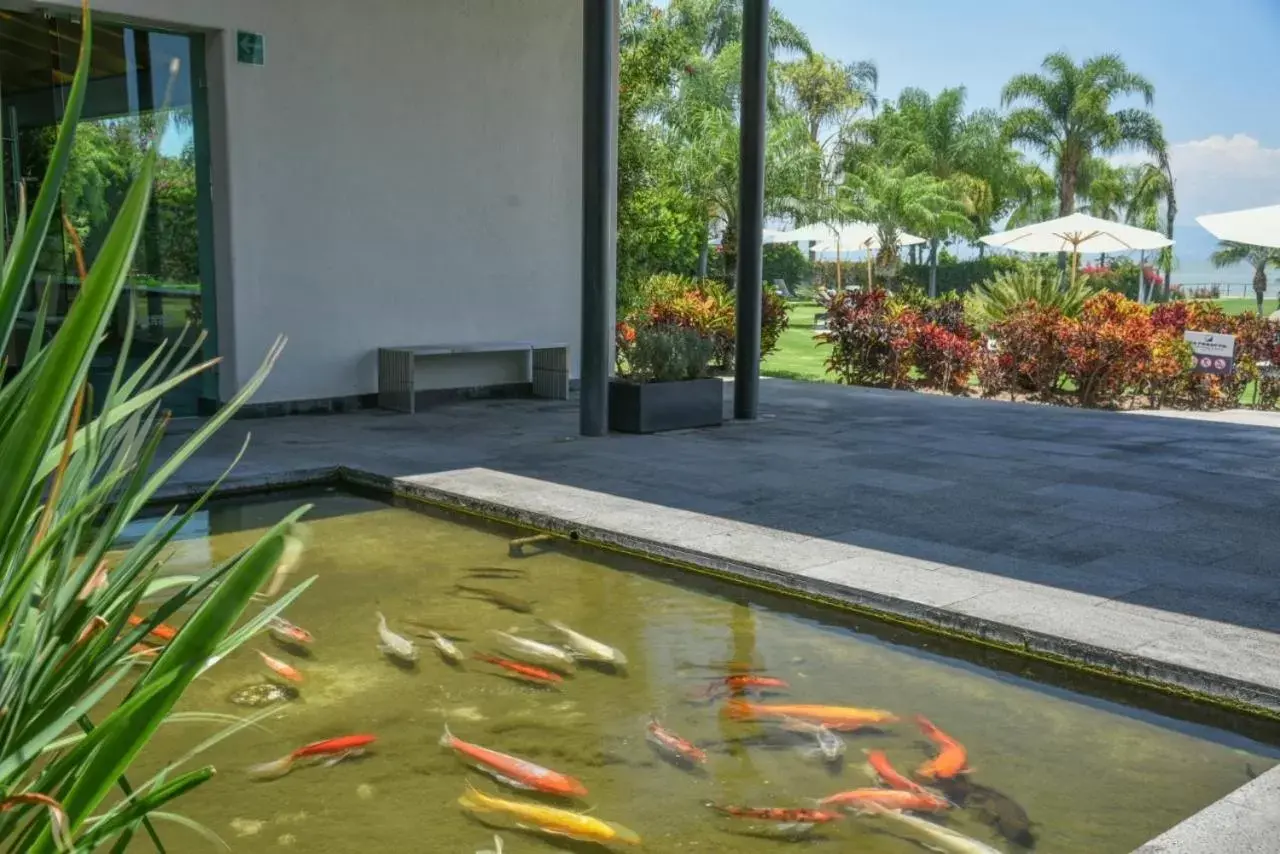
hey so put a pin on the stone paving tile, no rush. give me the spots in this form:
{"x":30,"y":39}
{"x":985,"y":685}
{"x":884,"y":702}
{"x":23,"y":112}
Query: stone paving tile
{"x":1119,"y":500}
{"x":1244,"y":822}
{"x":900,"y":580}
{"x":1238,"y":653}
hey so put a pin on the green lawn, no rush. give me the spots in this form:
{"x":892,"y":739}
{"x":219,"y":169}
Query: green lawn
{"x":1239,"y":305}
{"x":798,"y":356}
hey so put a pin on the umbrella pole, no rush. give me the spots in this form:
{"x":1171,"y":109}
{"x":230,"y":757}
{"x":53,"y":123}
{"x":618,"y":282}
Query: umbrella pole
{"x":1142,"y":278}
{"x":1075,"y":263}
{"x":839,"y":277}
{"x":871,"y":285}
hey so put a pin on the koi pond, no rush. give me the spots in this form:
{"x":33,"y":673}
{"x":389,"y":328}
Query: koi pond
{"x":749,"y":689}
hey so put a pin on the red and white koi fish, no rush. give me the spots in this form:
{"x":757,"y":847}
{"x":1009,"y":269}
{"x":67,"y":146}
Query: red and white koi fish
{"x":951,"y":761}
{"x":286,"y":632}
{"x":280,"y":668}
{"x":673,"y":746}
{"x":890,"y":799}
{"x":524,"y":671}
{"x":513,"y":771}
{"x":335,"y":749}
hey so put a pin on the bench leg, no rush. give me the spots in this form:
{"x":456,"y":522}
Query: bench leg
{"x":551,"y":373}
{"x":395,"y":381}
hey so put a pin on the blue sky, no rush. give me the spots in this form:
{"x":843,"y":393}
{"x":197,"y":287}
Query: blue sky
{"x":1215,"y":66}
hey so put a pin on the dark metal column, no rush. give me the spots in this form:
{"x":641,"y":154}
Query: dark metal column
{"x":599,"y":192}
{"x":755,"y":67}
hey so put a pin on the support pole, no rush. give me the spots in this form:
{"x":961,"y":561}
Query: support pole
{"x":599,"y":224}
{"x":755,"y":67}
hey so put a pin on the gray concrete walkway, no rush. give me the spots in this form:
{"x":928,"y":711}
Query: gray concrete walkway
{"x":1163,"y":529}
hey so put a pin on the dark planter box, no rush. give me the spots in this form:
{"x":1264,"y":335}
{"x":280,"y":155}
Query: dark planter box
{"x":650,"y":407}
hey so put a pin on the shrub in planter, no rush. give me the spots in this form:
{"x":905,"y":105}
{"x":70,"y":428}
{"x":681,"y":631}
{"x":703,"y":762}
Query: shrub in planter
{"x":1030,"y":343}
{"x":709,"y":308}
{"x":662,"y":380}
{"x":870,"y":338}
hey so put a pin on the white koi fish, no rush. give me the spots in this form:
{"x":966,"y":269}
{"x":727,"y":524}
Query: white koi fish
{"x":934,"y":836}
{"x":830,"y":746}
{"x":448,"y":649}
{"x":497,"y":846}
{"x":393,"y":644}
{"x":588,"y":648}
{"x":534,"y":651}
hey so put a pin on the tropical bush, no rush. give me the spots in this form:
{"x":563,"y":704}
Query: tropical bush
{"x":785,"y":261}
{"x":871,"y":337}
{"x":75,"y":707}
{"x":1029,"y":355}
{"x":994,"y":298}
{"x":1106,"y":348}
{"x":944,"y":358}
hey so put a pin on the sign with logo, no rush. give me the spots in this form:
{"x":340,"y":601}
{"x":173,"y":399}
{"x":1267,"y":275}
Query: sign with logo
{"x":251,"y":48}
{"x":1214,"y":353}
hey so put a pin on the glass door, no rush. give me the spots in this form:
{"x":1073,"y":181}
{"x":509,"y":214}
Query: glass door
{"x":134,"y":102}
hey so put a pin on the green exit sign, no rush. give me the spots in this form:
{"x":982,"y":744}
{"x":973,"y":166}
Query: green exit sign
{"x":251,"y":48}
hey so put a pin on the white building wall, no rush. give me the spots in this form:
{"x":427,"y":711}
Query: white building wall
{"x":399,"y":172}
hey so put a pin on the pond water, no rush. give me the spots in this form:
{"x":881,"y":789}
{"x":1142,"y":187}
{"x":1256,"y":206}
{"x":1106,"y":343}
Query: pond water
{"x":1072,"y":771}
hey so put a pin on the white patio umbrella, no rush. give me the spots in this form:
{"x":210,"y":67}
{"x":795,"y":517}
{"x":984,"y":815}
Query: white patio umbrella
{"x":1079,"y":234}
{"x":1254,"y":226}
{"x":836,"y":237}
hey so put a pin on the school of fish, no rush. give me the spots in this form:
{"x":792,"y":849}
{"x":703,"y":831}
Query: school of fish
{"x":911,"y":805}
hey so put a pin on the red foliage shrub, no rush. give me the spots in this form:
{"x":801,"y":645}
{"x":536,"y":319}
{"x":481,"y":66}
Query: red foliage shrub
{"x":944,"y":358}
{"x":1030,"y":344}
{"x":870,"y":338}
{"x":1106,"y":347}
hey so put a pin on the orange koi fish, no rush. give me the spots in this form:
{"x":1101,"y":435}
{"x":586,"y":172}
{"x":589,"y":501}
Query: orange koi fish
{"x":673,"y":746}
{"x":783,"y":814}
{"x":526,"y":671}
{"x":513,"y":771}
{"x":951,"y":761}
{"x":844,"y":718}
{"x":889,"y":775}
{"x":280,"y":668}
{"x":890,"y":799}
{"x":336,"y":749}
{"x":159,"y":632}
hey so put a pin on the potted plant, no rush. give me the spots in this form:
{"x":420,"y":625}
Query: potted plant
{"x":662,"y":381}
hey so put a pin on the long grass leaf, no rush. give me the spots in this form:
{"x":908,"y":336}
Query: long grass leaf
{"x":183,"y":658}
{"x":138,"y":809}
{"x":66,"y":365}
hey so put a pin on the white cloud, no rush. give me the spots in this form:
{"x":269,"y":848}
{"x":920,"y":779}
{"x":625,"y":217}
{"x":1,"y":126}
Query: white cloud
{"x":1221,"y":173}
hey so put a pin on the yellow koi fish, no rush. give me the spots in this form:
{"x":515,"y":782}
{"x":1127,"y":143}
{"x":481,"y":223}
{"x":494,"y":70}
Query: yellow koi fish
{"x":549,"y":820}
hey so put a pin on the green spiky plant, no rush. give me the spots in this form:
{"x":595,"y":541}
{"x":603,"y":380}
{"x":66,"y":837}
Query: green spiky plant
{"x":990,"y":301}
{"x":75,"y":707}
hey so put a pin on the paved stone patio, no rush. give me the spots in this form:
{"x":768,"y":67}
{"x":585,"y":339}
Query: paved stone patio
{"x":1178,"y":515}
{"x":1140,"y":543}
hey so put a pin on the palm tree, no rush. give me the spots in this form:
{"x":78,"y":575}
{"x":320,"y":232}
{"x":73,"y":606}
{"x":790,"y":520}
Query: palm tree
{"x":1229,"y":254}
{"x":1156,"y":186}
{"x":1065,"y":115}
{"x":934,"y":135}
{"x":896,"y":201}
{"x":828,"y":92}
{"x":717,"y":24}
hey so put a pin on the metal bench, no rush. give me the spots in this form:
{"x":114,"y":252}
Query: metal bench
{"x":548,"y":368}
